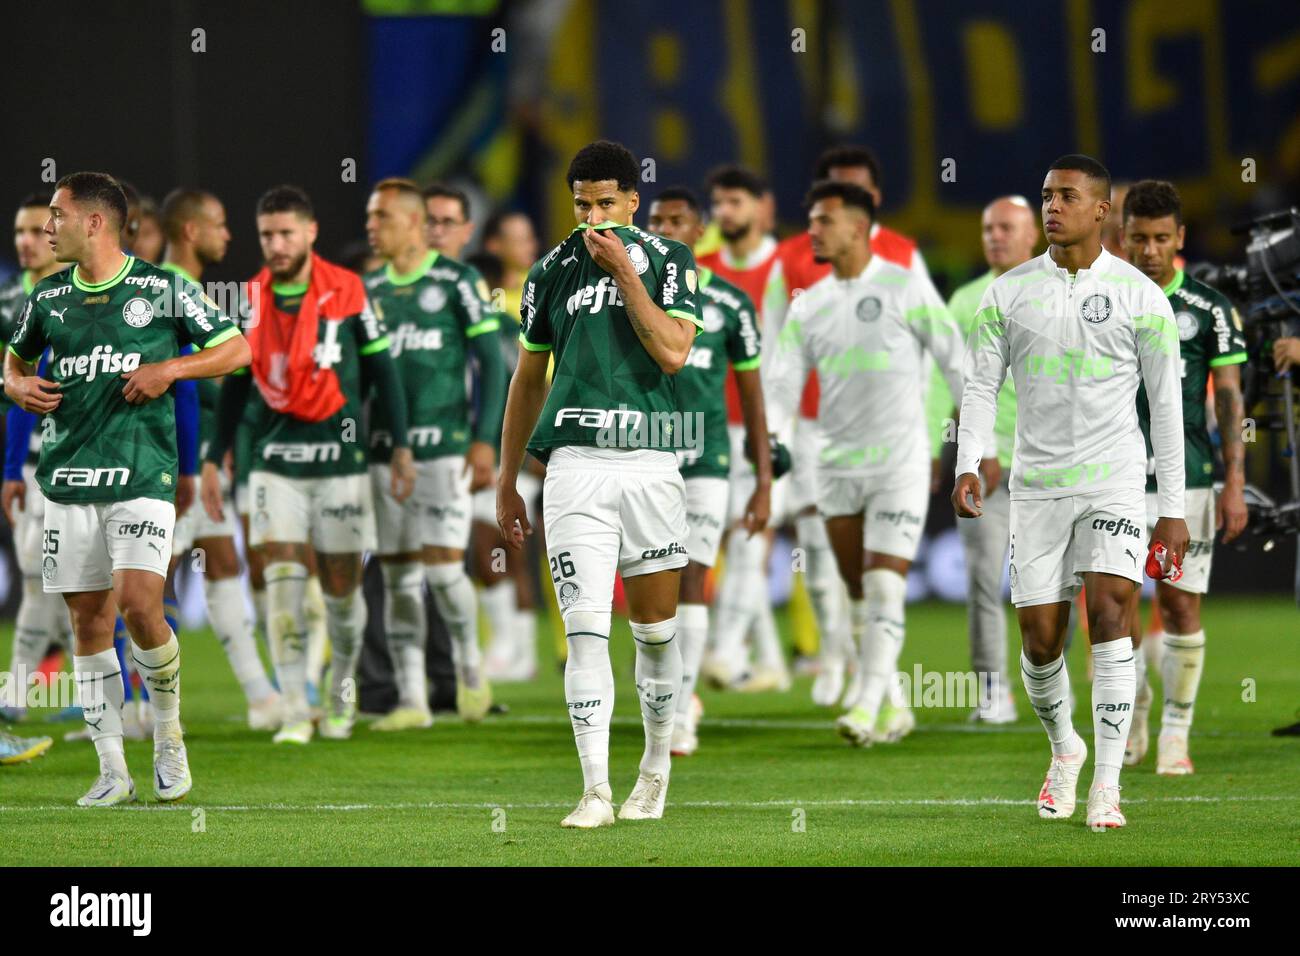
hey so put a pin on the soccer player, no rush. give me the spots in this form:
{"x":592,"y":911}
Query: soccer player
{"x":866,"y":328}
{"x":448,"y":226}
{"x":1009,"y":233}
{"x":311,"y":332}
{"x":1211,"y":346}
{"x":1078,"y":329}
{"x":438,"y":321}
{"x":730,"y":338}
{"x":795,"y":270}
{"x":745,"y":259}
{"x":194,"y":222}
{"x":42,"y":618}
{"x":617,"y":307}
{"x":108,"y":459}
{"x":510,"y":237}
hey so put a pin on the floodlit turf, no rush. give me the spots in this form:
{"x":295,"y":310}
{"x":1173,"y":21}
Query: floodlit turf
{"x":771,"y":784}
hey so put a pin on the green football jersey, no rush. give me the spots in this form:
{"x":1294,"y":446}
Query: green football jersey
{"x":96,"y":447}
{"x":336,"y":445}
{"x":13,"y":296}
{"x":1209,"y":335}
{"x":730,"y":335}
{"x":606,"y":390}
{"x":431,"y":314}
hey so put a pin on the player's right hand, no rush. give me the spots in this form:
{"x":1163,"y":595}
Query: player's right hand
{"x":32,"y":393}
{"x":210,"y":491}
{"x":968,"y":486}
{"x":13,"y":491}
{"x":512,"y":516}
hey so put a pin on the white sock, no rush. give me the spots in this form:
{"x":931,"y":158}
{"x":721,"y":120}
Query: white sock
{"x":1114,"y":683}
{"x":1184,"y":659}
{"x":404,"y":627}
{"x":692,"y":632}
{"x":826,"y":591}
{"x":346,"y":620}
{"x":160,"y":673}
{"x":34,"y":630}
{"x":457,"y":603}
{"x":658,"y":683}
{"x":498,"y":601}
{"x":1153,"y":650}
{"x":767,"y":642}
{"x":1048,"y":688}
{"x":589,"y":692}
{"x":733,"y":609}
{"x":229,"y":617}
{"x":885,"y":593}
{"x":857,"y":639}
{"x":100,"y":693}
{"x":316,"y":621}
{"x":525,"y":625}
{"x":286,"y":622}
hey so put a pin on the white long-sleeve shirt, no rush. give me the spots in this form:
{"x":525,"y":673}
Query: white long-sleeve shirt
{"x":1077,"y":346}
{"x":866,"y":337}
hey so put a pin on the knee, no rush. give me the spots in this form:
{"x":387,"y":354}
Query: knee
{"x":1108,"y":618}
{"x":138,"y":613}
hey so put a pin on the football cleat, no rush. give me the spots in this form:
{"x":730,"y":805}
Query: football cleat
{"x":1103,"y":809}
{"x":22,"y":749}
{"x":857,"y":727}
{"x":265,"y":714}
{"x":336,"y":727}
{"x":1171,"y":756}
{"x":1000,"y":710}
{"x":171,"y":770}
{"x":894,"y":723}
{"x":295,"y":733}
{"x":762,"y":679}
{"x":685,"y":742}
{"x":595,"y":809}
{"x":473,"y":703}
{"x":1057,"y":799}
{"x":404,"y":718}
{"x":108,"y":790}
{"x":828,"y":686}
{"x":646,"y":801}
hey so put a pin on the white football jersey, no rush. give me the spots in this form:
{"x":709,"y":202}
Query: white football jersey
{"x":1077,"y":347}
{"x":866,"y":337}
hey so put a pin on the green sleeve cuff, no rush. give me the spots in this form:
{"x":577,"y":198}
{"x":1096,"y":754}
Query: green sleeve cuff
{"x":378,"y":345}
{"x":478,"y":328}
{"x":223,"y":336}
{"x":1236,"y":358}
{"x":531,"y":346}
{"x":748,"y":365}
{"x":689,"y":317}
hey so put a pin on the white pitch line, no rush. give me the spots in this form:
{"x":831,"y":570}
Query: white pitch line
{"x":700,"y":804}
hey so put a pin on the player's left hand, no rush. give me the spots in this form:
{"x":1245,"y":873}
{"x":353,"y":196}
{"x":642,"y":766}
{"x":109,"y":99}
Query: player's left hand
{"x":1173,"y":534}
{"x":147,"y":382}
{"x":480,"y":461}
{"x":184,"y":495}
{"x":758,"y":510}
{"x":402,"y":466}
{"x":608,"y":251}
{"x":1230,"y":511}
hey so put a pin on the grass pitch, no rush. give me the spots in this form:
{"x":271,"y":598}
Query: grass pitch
{"x":771,"y":784}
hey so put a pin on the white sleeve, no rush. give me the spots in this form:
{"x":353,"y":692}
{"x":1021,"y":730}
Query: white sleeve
{"x":987,"y":358}
{"x":1158,"y":356}
{"x":784,"y":374}
{"x":930,"y":321}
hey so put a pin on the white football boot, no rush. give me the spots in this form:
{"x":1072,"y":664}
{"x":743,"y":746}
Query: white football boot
{"x":828,"y":686}
{"x":1103,"y":809}
{"x":1171,"y":756}
{"x":595,"y":809}
{"x":646,"y":801}
{"x":108,"y":790}
{"x":1057,"y":799}
{"x":265,"y":714}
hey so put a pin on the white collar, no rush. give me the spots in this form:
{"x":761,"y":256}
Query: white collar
{"x":1097,"y":265}
{"x":762,"y":252}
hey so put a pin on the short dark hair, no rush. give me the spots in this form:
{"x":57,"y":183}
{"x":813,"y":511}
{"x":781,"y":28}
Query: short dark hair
{"x":1153,"y":199}
{"x":286,"y":198}
{"x":180,"y":206}
{"x":495,"y":222}
{"x":851,"y":156}
{"x":851,"y":194}
{"x":98,"y":189}
{"x":1086,"y":165}
{"x":680,"y":194}
{"x":737,"y":177}
{"x":31,"y":200}
{"x":436,"y":190}
{"x":603,"y":160}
